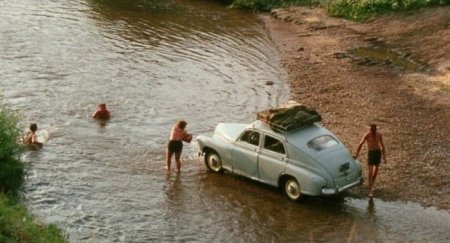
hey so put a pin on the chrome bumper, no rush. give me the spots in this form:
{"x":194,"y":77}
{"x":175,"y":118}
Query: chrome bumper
{"x":333,"y":191}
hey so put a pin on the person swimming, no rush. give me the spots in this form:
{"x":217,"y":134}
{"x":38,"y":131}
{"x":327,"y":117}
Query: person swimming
{"x":30,"y":137}
{"x":101,"y":113}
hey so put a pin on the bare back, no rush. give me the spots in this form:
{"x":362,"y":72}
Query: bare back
{"x":29,"y":138}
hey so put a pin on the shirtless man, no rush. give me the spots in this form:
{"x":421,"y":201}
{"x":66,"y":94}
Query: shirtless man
{"x":178,"y":134}
{"x":30,"y":137}
{"x":376,"y":151}
{"x":101,"y":112}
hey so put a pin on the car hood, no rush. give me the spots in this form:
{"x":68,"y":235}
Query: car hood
{"x":229,"y":131}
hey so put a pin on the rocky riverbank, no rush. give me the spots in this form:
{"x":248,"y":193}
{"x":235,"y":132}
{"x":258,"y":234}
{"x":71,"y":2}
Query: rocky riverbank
{"x":394,"y":71}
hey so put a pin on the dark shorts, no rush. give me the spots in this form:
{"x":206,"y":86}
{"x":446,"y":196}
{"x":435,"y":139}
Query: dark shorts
{"x":374,"y":157}
{"x":175,"y":146}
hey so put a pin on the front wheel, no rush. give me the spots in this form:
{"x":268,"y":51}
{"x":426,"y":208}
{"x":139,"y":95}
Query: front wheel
{"x":291,"y":189}
{"x":213,"y":162}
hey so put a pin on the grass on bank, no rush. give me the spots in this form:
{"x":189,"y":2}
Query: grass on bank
{"x":16,"y":224}
{"x":359,"y":10}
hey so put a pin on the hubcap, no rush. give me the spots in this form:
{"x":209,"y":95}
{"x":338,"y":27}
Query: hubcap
{"x":292,"y":189}
{"x":214,"y":163}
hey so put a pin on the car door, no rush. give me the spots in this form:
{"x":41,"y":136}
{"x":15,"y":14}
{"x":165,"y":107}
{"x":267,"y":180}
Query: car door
{"x":245,"y":154}
{"x":272,"y":160}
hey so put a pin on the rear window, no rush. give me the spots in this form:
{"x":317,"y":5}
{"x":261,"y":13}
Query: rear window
{"x":322,"y":142}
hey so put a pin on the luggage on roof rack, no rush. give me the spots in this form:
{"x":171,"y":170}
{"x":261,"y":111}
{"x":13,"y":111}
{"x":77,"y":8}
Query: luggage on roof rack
{"x":289,"y":117}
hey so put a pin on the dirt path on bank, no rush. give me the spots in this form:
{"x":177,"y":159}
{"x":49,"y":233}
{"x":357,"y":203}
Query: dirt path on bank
{"x":412,"y":108}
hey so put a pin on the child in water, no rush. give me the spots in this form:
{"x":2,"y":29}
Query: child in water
{"x":101,"y":113}
{"x":175,"y":145}
{"x":30,"y":137}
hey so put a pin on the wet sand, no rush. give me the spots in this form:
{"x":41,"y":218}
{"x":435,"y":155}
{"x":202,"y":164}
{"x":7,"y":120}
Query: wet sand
{"x":412,"y":108}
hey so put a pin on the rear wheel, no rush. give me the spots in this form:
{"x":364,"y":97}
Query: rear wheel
{"x":291,"y":189}
{"x":213,"y":162}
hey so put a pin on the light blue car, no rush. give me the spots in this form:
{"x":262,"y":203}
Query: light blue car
{"x":309,"y":161}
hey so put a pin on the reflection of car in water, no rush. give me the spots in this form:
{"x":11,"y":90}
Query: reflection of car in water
{"x":308,"y":159}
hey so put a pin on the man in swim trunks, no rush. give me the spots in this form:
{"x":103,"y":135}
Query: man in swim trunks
{"x":376,"y":149}
{"x":178,"y":134}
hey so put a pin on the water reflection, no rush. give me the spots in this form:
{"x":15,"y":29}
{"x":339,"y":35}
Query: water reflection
{"x":173,"y":188}
{"x":371,"y":207}
{"x":372,"y":55}
{"x":128,"y":5}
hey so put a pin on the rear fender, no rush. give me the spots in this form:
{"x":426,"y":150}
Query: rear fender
{"x":310,"y":183}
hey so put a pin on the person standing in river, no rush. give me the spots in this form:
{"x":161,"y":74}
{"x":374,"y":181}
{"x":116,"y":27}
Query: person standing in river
{"x":376,"y":151}
{"x":178,"y":134}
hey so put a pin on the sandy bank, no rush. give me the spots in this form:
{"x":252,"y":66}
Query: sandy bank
{"x":412,"y":107}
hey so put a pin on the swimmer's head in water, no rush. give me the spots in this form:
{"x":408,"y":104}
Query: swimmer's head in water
{"x":33,"y":127}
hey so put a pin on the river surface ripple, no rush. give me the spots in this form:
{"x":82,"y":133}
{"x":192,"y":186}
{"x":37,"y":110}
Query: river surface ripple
{"x":153,"y":65}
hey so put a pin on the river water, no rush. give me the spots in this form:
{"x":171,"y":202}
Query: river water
{"x":154,"y":64}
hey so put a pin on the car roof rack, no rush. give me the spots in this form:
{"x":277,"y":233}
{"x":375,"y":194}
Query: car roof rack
{"x":289,"y":117}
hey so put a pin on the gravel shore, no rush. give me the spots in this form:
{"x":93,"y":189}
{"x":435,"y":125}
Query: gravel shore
{"x":410,"y":105}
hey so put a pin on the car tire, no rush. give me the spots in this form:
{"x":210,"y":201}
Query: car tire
{"x":213,"y":162}
{"x":291,"y":189}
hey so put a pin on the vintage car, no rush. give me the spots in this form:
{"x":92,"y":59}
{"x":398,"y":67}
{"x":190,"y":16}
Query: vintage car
{"x":308,"y":159}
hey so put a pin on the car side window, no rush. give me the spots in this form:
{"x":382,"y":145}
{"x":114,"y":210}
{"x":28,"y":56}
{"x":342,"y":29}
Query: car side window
{"x":273,"y":144}
{"x":251,"y":137}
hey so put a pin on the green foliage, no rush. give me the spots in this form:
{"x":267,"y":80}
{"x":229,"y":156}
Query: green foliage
{"x":364,"y":9}
{"x":11,"y":168}
{"x":266,"y":5}
{"x":350,"y":9}
{"x":9,"y":134}
{"x":11,"y":176}
{"x":16,"y":225}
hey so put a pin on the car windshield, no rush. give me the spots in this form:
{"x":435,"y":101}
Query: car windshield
{"x":322,"y":142}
